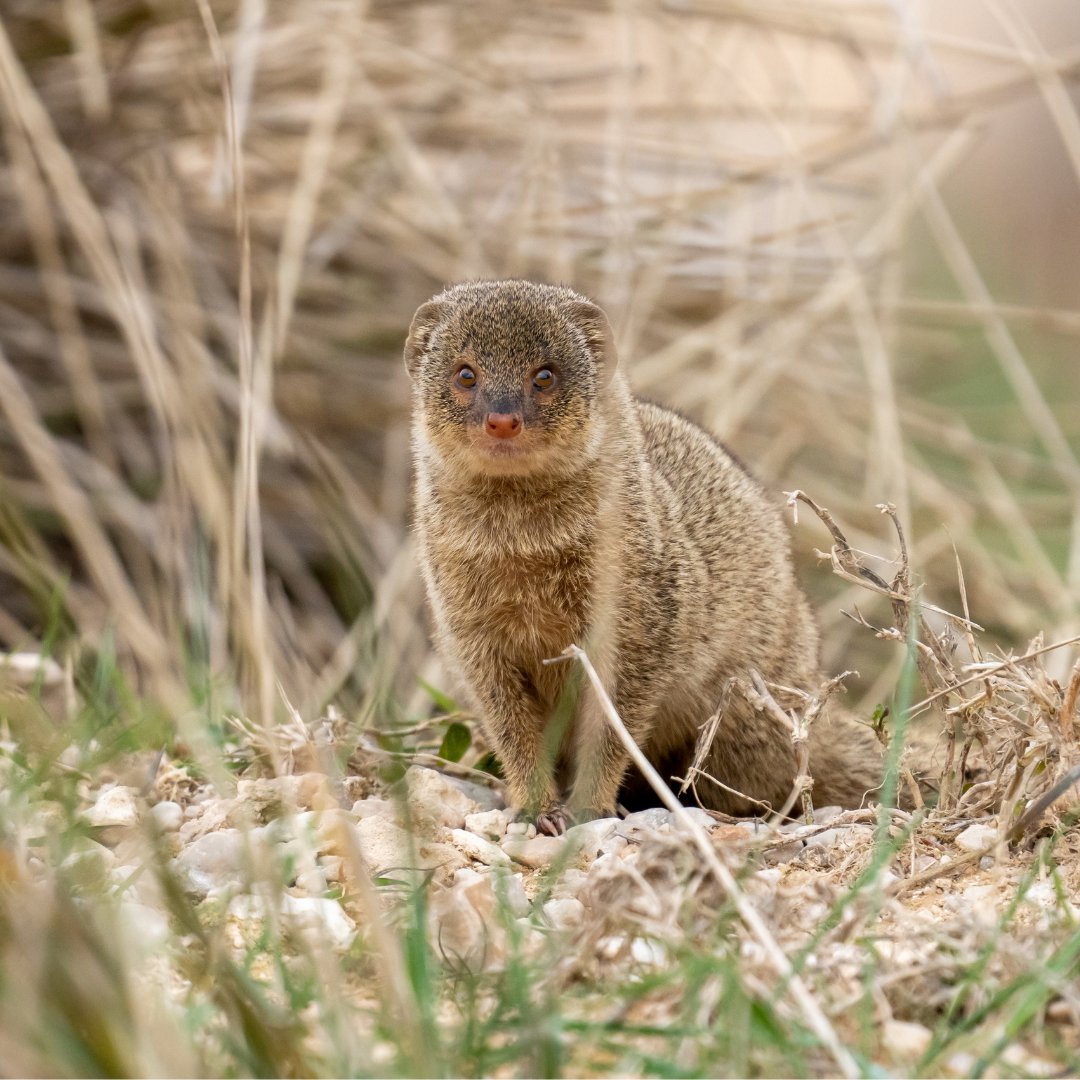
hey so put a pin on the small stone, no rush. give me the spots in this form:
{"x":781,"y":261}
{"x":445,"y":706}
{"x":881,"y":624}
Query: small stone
{"x":604,"y":863}
{"x":979,"y":903}
{"x":262,"y":799}
{"x":510,"y":888}
{"x":485,"y":798}
{"x":321,"y":918}
{"x":737,"y":835}
{"x":168,"y":816}
{"x":986,"y":862}
{"x":26,"y":669}
{"x":317,"y":919}
{"x":976,"y":837}
{"x":648,"y":952}
{"x":961,"y":1063}
{"x":333,"y":831}
{"x":114,"y":806}
{"x":783,"y":853}
{"x":89,"y":865}
{"x":333,"y":868}
{"x":521,"y":828}
{"x":649,"y":819}
{"x":699,"y":817}
{"x":490,"y":824}
{"x":1043,"y":893}
{"x":824,"y":814}
{"x":455,"y":929}
{"x":463,"y":926}
{"x":386,"y":846}
{"x":565,"y":914}
{"x":614,"y":844}
{"x":139,"y":884}
{"x":904,"y":1040}
{"x":535,"y":853}
{"x":1027,"y":1064}
{"x":476,"y":847}
{"x":611,"y":946}
{"x":435,"y":800}
{"x":588,"y":836}
{"x":572,"y":880}
{"x":146,"y":925}
{"x":211,"y":815}
{"x":823,"y":839}
{"x":311,"y":880}
{"x":212,"y":861}
{"x":372,"y":807}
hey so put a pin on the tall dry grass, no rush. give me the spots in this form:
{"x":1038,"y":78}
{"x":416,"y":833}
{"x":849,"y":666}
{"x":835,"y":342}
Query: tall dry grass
{"x":218,"y":218}
{"x":841,"y":233}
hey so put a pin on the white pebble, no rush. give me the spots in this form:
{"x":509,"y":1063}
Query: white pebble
{"x":823,"y":839}
{"x":490,"y":824}
{"x":976,"y":837}
{"x":535,"y":852}
{"x":168,"y":815}
{"x":114,"y":806}
{"x":565,"y":914}
{"x":476,"y":847}
{"x":905,"y":1040}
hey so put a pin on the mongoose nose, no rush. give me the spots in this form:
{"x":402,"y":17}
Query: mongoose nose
{"x":503,"y":425}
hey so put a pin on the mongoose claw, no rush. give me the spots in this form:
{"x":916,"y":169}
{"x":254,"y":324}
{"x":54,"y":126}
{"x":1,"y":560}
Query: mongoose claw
{"x":553,"y":822}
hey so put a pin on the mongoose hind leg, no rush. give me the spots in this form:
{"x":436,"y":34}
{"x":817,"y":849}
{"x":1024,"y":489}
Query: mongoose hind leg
{"x":754,"y":756}
{"x":845,"y":762}
{"x":751,"y":764}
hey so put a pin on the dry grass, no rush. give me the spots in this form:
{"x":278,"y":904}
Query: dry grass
{"x":219,"y":226}
{"x":841,"y":234}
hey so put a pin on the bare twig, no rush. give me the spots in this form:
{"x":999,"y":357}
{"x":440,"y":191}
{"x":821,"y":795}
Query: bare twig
{"x":811,"y":1010}
{"x":993,"y":669}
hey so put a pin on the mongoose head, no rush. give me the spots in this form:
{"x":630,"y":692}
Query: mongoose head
{"x":507,"y":376}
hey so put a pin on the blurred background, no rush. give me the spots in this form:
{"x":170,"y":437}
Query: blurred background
{"x":841,"y":234}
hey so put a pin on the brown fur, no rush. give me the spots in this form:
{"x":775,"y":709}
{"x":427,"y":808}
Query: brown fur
{"x":617,"y":525}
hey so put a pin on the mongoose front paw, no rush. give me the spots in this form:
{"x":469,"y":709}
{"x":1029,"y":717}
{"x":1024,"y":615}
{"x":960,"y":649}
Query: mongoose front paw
{"x":553,"y":822}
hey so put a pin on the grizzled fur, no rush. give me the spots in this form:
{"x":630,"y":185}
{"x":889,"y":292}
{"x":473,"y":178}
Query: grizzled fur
{"x":612,"y":523}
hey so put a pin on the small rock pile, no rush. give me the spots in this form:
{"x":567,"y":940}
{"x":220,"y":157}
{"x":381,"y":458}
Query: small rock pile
{"x":285,"y":851}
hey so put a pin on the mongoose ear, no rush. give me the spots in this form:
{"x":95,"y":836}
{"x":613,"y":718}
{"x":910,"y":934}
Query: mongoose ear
{"x":427,"y":317}
{"x":594,"y":324}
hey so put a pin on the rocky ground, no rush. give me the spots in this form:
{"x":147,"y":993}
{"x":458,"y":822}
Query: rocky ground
{"x":322,"y":864}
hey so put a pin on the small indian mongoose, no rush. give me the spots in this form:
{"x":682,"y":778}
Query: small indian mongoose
{"x":553,"y":507}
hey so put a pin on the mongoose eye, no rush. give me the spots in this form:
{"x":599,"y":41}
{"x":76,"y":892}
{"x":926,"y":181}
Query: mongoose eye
{"x":466,"y":378}
{"x":544,"y":379}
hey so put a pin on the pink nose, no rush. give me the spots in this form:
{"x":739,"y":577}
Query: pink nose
{"x":503,"y":425}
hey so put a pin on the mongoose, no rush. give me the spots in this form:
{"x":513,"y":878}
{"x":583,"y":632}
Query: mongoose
{"x":553,"y":507}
